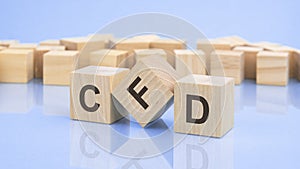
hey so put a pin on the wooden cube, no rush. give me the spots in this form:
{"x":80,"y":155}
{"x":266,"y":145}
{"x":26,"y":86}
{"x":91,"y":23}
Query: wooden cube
{"x":169,"y":45}
{"x":142,"y":53}
{"x":2,"y":48}
{"x":228,"y":63}
{"x":16,"y":65}
{"x":57,"y":67}
{"x":234,"y":40}
{"x":111,"y":58}
{"x":204,"y":105}
{"x":7,"y":43}
{"x":213,"y":44}
{"x":91,"y":89}
{"x":50,"y":42}
{"x":147,"y":91}
{"x":190,"y":62}
{"x":250,"y":59}
{"x":38,"y":59}
{"x":272,"y":68}
{"x":297,"y":59}
{"x":131,"y":44}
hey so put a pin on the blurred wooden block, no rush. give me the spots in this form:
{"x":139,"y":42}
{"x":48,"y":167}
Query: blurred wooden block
{"x":131,"y":44}
{"x":50,"y":42}
{"x":169,"y":45}
{"x":16,"y":66}
{"x":234,"y":40}
{"x":57,"y":67}
{"x":297,"y":59}
{"x":111,"y":58}
{"x":91,"y":89}
{"x":204,"y":105}
{"x":142,"y":53}
{"x":147,"y":91}
{"x":190,"y":62}
{"x":213,"y":44}
{"x":229,"y":64}
{"x":108,"y":38}
{"x":26,"y":46}
{"x":7,"y":43}
{"x":2,"y":48}
{"x":85,"y":45}
{"x":272,"y":68}
{"x":38,"y":59}
{"x":264,"y":44}
{"x":250,"y":59}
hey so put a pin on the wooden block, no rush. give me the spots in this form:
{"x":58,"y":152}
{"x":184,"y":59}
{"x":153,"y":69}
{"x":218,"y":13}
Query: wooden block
{"x":228,"y":63}
{"x":108,"y":38}
{"x":111,"y":58}
{"x":297,"y":59}
{"x":264,"y":44}
{"x":57,"y":67}
{"x":7,"y":43}
{"x":91,"y":89}
{"x":204,"y":105}
{"x":213,"y":44}
{"x":272,"y":68}
{"x":147,"y":91}
{"x":169,"y":45}
{"x":190,"y":62}
{"x":31,"y":46}
{"x":16,"y":66}
{"x":250,"y":60}
{"x":38,"y":59}
{"x":131,"y":44}
{"x":85,"y":45}
{"x":234,"y":40}
{"x":50,"y":42}
{"x":142,"y":53}
{"x":2,"y":48}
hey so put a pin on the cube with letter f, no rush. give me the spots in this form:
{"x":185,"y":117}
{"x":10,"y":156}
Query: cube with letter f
{"x":147,"y":91}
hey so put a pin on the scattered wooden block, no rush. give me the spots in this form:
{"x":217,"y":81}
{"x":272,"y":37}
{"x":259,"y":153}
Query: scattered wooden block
{"x":228,"y":63}
{"x":142,"y":53}
{"x":57,"y":67}
{"x":272,"y":68}
{"x":147,"y":91}
{"x":265,"y":45}
{"x":190,"y":62}
{"x":213,"y":44}
{"x":2,"y":48}
{"x":50,"y":42}
{"x":250,"y":60}
{"x":16,"y":66}
{"x":85,"y":45}
{"x":7,"y":43}
{"x":111,"y":58}
{"x":169,"y":45}
{"x":108,"y":38}
{"x":91,"y":89}
{"x":38,"y":59}
{"x":234,"y":40}
{"x":204,"y":105}
{"x":131,"y":44}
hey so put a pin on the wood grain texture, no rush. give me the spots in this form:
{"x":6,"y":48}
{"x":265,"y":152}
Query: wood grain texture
{"x":217,"y":93}
{"x":272,"y":68}
{"x":7,"y":43}
{"x":228,"y":63}
{"x":38,"y":59}
{"x":105,"y":79}
{"x":112,"y":58}
{"x":57,"y":67}
{"x":50,"y":42}
{"x":16,"y":66}
{"x":142,"y":53}
{"x":153,"y":78}
{"x":190,"y":62}
{"x":250,"y":54}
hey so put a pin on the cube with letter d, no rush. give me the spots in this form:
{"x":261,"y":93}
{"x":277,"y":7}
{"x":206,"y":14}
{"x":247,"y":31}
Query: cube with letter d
{"x":204,"y":105}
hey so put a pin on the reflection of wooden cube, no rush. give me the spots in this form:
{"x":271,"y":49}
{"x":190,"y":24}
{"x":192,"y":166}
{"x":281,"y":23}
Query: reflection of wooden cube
{"x":50,"y":42}
{"x":250,"y":60}
{"x":204,"y":105}
{"x":7,"y":43}
{"x":38,"y":59}
{"x":190,"y":62}
{"x":111,"y":58}
{"x":142,"y":53}
{"x":228,"y":63}
{"x":91,"y":89}
{"x":57,"y":67}
{"x":272,"y":68}
{"x":16,"y":65}
{"x":147,"y":91}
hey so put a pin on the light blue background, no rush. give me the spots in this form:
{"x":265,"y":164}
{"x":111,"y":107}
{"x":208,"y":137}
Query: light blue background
{"x":270,"y":20}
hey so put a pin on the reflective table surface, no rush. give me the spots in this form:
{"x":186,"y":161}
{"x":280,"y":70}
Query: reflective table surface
{"x":36,"y":132}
